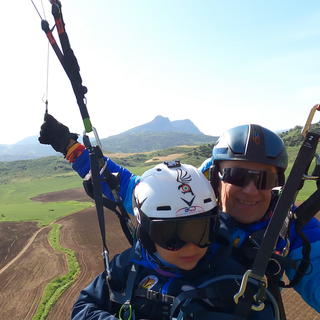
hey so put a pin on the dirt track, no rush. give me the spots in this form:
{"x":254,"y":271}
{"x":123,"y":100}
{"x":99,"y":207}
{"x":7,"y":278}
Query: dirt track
{"x":23,"y":282}
{"x":13,"y":237}
{"x":81,"y":233}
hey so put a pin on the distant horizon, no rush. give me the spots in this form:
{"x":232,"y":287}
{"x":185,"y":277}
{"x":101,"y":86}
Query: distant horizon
{"x":80,"y":136}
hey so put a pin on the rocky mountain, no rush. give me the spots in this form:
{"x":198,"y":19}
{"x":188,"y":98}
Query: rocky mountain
{"x":153,"y":140}
{"x":157,"y":134}
{"x":163,"y":124}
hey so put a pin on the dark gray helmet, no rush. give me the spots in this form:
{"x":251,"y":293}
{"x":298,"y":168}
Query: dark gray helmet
{"x":252,"y":143}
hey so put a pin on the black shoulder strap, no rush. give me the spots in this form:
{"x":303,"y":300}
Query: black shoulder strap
{"x":112,"y":205}
{"x":302,"y":215}
{"x":97,"y":161}
{"x":302,"y":163}
{"x":119,"y":298}
{"x":124,"y":300}
{"x":199,"y":293}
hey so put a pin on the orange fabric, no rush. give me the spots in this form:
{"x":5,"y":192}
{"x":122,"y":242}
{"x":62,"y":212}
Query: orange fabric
{"x":74,"y":152}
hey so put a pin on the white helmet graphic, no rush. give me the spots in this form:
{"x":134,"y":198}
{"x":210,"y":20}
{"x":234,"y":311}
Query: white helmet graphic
{"x":174,"y":204}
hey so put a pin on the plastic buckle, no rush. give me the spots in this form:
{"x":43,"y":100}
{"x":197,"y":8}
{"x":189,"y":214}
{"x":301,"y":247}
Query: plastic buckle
{"x":261,"y":295}
{"x":154,"y":295}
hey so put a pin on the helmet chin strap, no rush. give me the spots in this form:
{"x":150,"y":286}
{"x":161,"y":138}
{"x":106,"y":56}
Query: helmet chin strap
{"x":161,"y":263}
{"x":176,"y":270}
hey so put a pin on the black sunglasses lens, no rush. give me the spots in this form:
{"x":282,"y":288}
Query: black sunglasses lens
{"x":235,"y":176}
{"x":269,"y":180}
{"x":241,"y":177}
{"x":238,"y":176}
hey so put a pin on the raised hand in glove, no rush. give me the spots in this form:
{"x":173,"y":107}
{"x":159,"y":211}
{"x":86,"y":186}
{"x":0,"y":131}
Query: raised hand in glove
{"x":56,"y":134}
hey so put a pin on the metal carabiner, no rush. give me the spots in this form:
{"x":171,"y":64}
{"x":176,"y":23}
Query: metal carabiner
{"x":105,"y":256}
{"x":308,"y":122}
{"x":88,"y":143}
{"x":286,"y":249}
{"x":259,"y":297}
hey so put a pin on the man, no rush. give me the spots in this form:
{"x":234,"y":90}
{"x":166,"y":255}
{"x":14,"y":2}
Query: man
{"x":247,"y":163}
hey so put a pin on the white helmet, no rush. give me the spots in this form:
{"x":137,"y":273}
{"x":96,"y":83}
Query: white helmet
{"x":174,"y":204}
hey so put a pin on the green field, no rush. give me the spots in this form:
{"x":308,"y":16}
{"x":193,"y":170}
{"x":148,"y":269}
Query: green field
{"x":309,"y":186}
{"x":15,"y":203}
{"x":22,"y":180}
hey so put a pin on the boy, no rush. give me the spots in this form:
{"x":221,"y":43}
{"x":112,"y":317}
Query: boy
{"x":177,"y":250}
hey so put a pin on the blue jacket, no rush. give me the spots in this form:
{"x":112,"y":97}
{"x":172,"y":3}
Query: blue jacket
{"x":94,"y":302}
{"x":309,"y":286}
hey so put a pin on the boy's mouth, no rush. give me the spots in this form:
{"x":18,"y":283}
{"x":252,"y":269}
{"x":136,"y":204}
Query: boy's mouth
{"x":189,"y":259}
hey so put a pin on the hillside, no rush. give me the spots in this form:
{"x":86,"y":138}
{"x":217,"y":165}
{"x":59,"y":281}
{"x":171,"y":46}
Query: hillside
{"x":157,"y":134}
{"x":161,"y":133}
{"x":56,"y":166}
{"x":25,"y":170}
{"x":151,"y":141}
{"x":52,"y":166}
{"x":293,"y":137}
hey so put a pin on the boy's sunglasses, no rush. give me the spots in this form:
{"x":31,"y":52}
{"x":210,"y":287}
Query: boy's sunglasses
{"x":173,"y":234}
{"x":241,"y":177}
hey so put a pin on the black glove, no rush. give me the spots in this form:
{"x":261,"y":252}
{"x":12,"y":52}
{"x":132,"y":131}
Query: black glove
{"x":56,"y":134}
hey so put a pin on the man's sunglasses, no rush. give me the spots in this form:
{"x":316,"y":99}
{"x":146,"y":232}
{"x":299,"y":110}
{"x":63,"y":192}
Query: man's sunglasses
{"x":241,"y":177}
{"x":173,"y":234}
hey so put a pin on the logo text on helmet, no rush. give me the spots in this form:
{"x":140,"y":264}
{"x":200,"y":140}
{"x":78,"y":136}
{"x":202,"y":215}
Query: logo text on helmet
{"x":256,"y":136}
{"x":189,"y":211}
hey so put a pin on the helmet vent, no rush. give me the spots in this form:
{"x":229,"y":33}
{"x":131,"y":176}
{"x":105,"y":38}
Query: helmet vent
{"x":164,"y":208}
{"x":207,"y":200}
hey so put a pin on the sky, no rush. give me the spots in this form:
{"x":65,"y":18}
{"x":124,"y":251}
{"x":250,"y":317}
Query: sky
{"x":218,"y":63}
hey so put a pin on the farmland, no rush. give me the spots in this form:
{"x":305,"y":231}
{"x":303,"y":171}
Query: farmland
{"x":29,"y":262}
{"x":24,"y":280}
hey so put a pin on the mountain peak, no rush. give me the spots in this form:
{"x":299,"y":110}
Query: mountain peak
{"x":161,"y":118}
{"x":160,"y":124}
{"x":160,"y":129}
